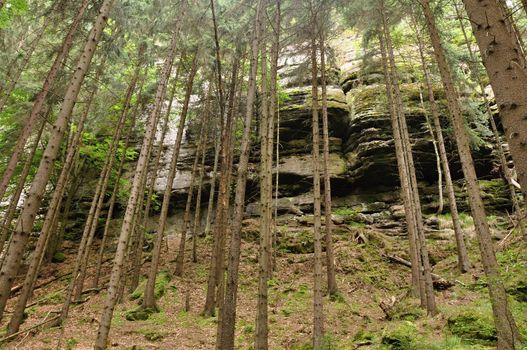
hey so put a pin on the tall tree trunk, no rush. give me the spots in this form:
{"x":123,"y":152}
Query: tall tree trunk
{"x":34,"y":198}
{"x":100,"y":192}
{"x":228,"y":316}
{"x":5,"y":229}
{"x":220,"y":227}
{"x":463,"y":261}
{"x":137,"y":252}
{"x":330,"y":257}
{"x":403,"y":174}
{"x":180,"y":259}
{"x":212,"y":192}
{"x":41,"y":97}
{"x":508,"y":334}
{"x":149,"y":299}
{"x":318,"y":308}
{"x":497,"y":139}
{"x":262,"y":326}
{"x":49,"y":223}
{"x":428,"y":299}
{"x":506,"y":67}
{"x":111,"y":298}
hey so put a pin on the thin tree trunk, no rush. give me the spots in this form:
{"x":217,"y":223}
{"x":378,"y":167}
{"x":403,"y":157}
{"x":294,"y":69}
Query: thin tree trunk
{"x":137,"y":252}
{"x":262,"y":325}
{"x":228,"y":316}
{"x":426,"y":281}
{"x":41,"y":97}
{"x":508,"y":334}
{"x":318,"y":308}
{"x":223,"y":196}
{"x":49,"y":225}
{"x":330,"y":258}
{"x":34,"y":198}
{"x":462,"y":255}
{"x":10,"y":213}
{"x":149,"y":298}
{"x":212,"y":192}
{"x":111,"y":205}
{"x":100,"y":192}
{"x":115,"y":277}
{"x":403,"y":174}
{"x":180,"y":259}
{"x":197,"y":211}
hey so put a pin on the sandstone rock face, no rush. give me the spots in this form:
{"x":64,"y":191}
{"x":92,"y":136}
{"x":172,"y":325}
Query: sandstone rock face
{"x":363,"y":166}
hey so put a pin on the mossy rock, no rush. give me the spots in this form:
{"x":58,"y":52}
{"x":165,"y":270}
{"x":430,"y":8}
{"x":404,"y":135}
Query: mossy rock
{"x":139,"y":314}
{"x":407,"y":310}
{"x":473,"y":326}
{"x":58,"y":257}
{"x":400,"y":337}
{"x":299,"y":242}
{"x":162,"y":281}
{"x":154,"y":335}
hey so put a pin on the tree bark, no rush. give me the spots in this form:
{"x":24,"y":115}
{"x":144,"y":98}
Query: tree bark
{"x":506,"y":67}
{"x":330,"y":257}
{"x":228,"y":316}
{"x":34,"y":198}
{"x":180,"y":259}
{"x":463,"y":261}
{"x":508,"y":334}
{"x":149,"y":299}
{"x":111,"y":298}
{"x":49,"y":223}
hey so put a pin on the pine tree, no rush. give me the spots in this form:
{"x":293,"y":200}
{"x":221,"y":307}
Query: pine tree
{"x":508,"y":334}
{"x":34,"y":198}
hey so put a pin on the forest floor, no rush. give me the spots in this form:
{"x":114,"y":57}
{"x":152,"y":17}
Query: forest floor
{"x":353,"y":320}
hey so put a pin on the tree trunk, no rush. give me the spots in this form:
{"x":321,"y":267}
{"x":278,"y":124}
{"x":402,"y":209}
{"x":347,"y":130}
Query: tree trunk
{"x":330,"y":258}
{"x":228,"y":316}
{"x":508,"y":334}
{"x":426,"y":282}
{"x":149,"y":299}
{"x":403,"y":174}
{"x":100,"y":192}
{"x":111,"y":298}
{"x":41,"y":97}
{"x":210,"y":204}
{"x":13,"y":204}
{"x":34,"y":198}
{"x":501,"y":155}
{"x":137,"y":252}
{"x":48,"y":225}
{"x":180,"y":259}
{"x":506,"y":68}
{"x":262,"y":326}
{"x":463,"y":261}
{"x":111,"y":205}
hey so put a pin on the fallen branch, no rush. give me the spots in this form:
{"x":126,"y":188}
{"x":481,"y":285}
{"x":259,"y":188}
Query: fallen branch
{"x":28,"y":329}
{"x":17,"y":288}
{"x":440,"y":283}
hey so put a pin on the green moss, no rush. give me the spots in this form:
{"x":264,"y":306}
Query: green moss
{"x":155,"y":335}
{"x":71,"y":343}
{"x":162,"y":281}
{"x":407,"y":310}
{"x":139,"y":314}
{"x":473,"y":325}
{"x":58,"y":257}
{"x":53,"y":298}
{"x":401,"y":336}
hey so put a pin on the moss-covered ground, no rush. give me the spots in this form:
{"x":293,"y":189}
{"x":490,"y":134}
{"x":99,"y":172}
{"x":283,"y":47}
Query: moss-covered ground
{"x":353,"y":318}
